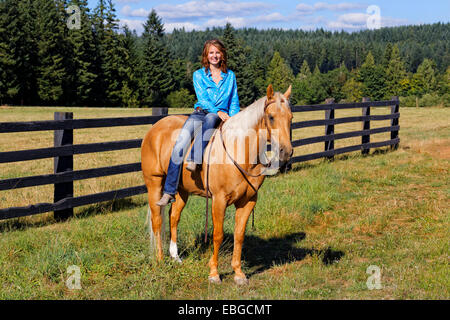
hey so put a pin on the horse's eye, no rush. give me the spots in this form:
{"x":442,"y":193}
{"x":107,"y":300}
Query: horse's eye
{"x":271,"y":118}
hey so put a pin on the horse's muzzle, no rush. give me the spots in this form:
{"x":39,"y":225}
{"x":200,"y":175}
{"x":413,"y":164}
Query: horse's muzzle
{"x":286,"y":154}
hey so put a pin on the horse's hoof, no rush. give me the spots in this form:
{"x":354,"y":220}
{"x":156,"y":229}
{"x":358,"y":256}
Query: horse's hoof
{"x":215,"y":280}
{"x":177,"y":259}
{"x":241,"y":281}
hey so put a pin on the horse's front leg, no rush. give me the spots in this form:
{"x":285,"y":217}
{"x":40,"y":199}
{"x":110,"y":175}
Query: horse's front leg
{"x":243,"y":209}
{"x":219,"y":205}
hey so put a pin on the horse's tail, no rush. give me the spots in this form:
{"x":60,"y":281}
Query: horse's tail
{"x":153,"y":247}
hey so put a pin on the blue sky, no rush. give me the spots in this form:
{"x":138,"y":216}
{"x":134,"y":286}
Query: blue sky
{"x":349,"y":15}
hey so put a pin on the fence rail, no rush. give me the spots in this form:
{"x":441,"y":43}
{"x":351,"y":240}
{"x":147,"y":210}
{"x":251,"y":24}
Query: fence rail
{"x":64,"y":150}
{"x":71,"y":124}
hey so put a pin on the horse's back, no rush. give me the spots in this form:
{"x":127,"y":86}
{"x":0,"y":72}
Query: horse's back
{"x":158,"y":143}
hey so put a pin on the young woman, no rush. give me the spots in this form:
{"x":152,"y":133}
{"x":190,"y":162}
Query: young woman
{"x":216,"y":90}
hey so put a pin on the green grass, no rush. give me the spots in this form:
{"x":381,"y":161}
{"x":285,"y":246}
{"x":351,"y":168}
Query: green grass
{"x":317,"y":230}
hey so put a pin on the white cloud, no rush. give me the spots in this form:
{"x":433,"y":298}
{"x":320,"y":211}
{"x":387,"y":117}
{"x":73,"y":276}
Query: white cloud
{"x":169,"y":27}
{"x":273,"y":17}
{"x":344,"y":6}
{"x":209,"y":9}
{"x":137,"y":25}
{"x":306,"y":9}
{"x":141,"y":12}
{"x":200,"y":9}
{"x":359,"y":21}
{"x":240,"y":22}
{"x":201,"y":14}
{"x":127,"y":1}
{"x":393,"y":22}
{"x":236,"y":22}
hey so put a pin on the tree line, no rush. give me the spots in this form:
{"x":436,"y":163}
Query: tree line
{"x":46,"y":61}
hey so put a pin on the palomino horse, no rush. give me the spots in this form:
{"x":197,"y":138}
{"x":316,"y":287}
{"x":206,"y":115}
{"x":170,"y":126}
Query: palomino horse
{"x":228,"y":184}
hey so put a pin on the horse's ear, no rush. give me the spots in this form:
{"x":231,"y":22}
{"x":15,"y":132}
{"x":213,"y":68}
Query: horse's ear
{"x":269,"y":92}
{"x":287,"y":94}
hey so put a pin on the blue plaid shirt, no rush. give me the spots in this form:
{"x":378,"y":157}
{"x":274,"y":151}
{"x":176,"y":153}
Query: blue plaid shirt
{"x":214,"y":97}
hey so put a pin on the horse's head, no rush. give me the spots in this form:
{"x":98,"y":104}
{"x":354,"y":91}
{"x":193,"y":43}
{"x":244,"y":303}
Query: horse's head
{"x":278,"y":118}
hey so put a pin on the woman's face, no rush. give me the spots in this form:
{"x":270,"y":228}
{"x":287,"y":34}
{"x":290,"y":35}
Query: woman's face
{"x":214,"y":56}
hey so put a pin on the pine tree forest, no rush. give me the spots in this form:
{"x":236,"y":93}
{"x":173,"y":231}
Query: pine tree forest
{"x":61,"y":53}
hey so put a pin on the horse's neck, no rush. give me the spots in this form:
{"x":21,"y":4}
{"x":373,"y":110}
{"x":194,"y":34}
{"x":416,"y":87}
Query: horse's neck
{"x":261,"y":133}
{"x":247,"y":148}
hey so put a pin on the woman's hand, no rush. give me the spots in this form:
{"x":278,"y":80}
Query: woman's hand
{"x":222,"y":115}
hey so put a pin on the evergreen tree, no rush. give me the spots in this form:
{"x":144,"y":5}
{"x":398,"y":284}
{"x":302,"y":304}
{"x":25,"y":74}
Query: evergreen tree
{"x":444,"y":83}
{"x":237,"y":60}
{"x":305,"y":71}
{"x":372,"y":78}
{"x":156,"y":81}
{"x":279,"y":74}
{"x":130,"y":89}
{"x":310,"y":89}
{"x":180,"y":75}
{"x":81,"y":68}
{"x":424,"y":80}
{"x":259,"y":75}
{"x":317,"y":87}
{"x":247,"y":85}
{"x":19,"y":54}
{"x":113,"y":59}
{"x":352,"y":90}
{"x":295,"y":61}
{"x":27,"y":52}
{"x":235,"y":51}
{"x":100,"y":84}
{"x":395,"y":73}
{"x":387,"y":55}
{"x":181,"y":99}
{"x":334,"y":82}
{"x":301,"y":91}
{"x":9,"y":82}
{"x":51,"y":46}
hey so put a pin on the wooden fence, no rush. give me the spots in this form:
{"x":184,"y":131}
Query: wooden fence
{"x":64,"y":149}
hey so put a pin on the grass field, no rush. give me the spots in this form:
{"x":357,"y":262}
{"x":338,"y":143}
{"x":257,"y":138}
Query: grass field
{"x":317,"y":228}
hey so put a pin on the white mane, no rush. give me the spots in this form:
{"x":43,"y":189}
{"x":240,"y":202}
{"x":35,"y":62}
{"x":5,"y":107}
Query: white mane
{"x":247,"y":118}
{"x":241,"y":126}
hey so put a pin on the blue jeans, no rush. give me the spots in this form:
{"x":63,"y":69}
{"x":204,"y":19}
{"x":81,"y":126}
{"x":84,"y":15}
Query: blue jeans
{"x":198,"y":121}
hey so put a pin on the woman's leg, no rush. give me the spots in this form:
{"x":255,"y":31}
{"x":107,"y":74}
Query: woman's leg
{"x":210,"y":122}
{"x":179,"y":150}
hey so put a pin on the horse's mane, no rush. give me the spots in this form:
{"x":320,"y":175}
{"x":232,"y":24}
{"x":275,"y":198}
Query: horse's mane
{"x":247,"y":118}
{"x":250,"y":116}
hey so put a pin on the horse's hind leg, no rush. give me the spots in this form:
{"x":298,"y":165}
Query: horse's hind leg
{"x":175,"y":213}
{"x":154,"y":188}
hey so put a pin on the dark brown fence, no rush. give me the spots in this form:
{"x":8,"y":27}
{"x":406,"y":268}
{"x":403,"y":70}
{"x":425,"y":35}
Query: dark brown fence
{"x":64,"y":149}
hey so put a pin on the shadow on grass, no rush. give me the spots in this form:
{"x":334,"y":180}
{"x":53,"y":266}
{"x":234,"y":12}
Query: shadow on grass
{"x":108,"y":207}
{"x":343,"y":157}
{"x":259,"y":254}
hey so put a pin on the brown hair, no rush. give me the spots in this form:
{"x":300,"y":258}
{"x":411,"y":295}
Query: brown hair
{"x":219,"y":45}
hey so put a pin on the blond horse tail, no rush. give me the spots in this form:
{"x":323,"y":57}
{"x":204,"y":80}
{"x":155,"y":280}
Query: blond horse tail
{"x":148,"y":221}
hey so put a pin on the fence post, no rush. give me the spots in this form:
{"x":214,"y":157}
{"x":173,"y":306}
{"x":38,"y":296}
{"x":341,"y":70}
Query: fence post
{"x":329,"y":128}
{"x":366,"y":126}
{"x":160,"y":111}
{"x":63,"y":164}
{"x":394,"y":122}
